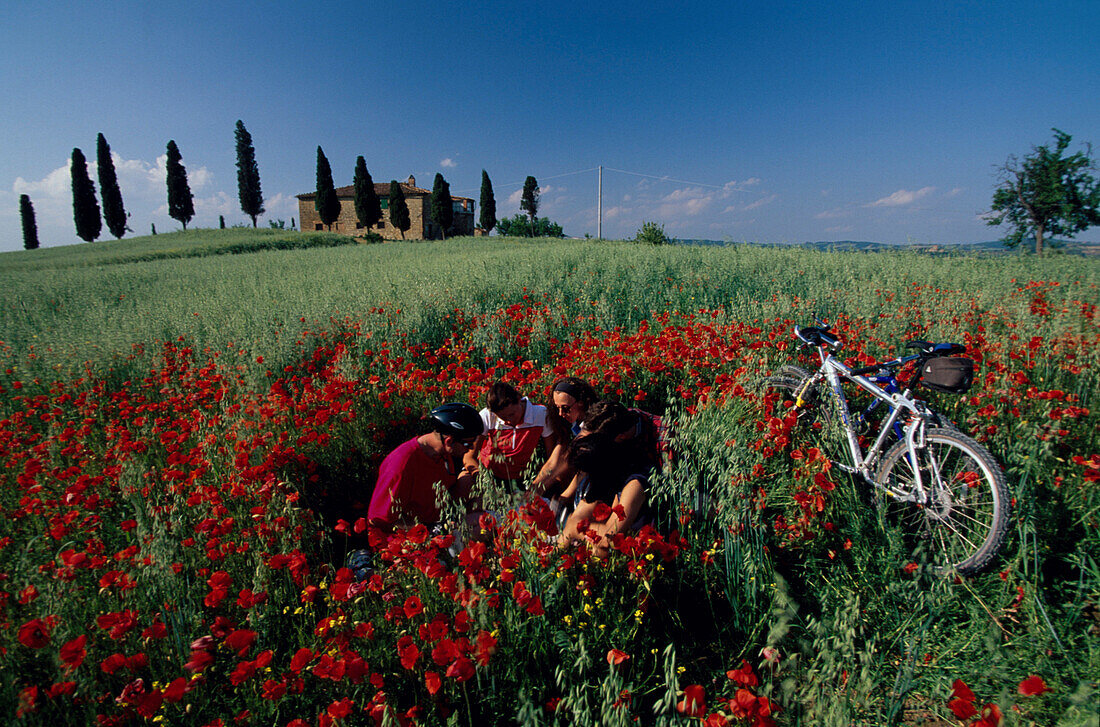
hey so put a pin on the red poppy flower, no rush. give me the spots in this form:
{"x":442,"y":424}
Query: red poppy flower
{"x":616,"y":657}
{"x":340,"y":709}
{"x":241,"y":641}
{"x":743,"y":675}
{"x":960,"y":690}
{"x":462,"y":670}
{"x":432,"y":682}
{"x":601,"y":512}
{"x":301,"y":658}
{"x":176,"y":689}
{"x":694,"y":702}
{"x":27,"y":595}
{"x":35,"y":634}
{"x":962,"y":709}
{"x":991,"y":717}
{"x":273,"y":690}
{"x":407,"y":652}
{"x":1032,"y":686}
{"x":413,"y":606}
{"x":72,"y":653}
{"x":485,"y":646}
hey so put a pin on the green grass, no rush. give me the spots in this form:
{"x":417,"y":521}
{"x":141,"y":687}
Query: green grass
{"x":93,"y":302}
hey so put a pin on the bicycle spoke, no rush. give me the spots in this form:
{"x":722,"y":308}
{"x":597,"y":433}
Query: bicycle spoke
{"x":947,"y":523}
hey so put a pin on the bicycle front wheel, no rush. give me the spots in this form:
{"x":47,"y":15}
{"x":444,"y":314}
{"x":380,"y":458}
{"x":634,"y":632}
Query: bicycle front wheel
{"x":960,"y":519}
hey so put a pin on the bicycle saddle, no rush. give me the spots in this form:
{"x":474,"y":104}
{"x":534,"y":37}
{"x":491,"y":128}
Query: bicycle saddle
{"x":816,"y":336}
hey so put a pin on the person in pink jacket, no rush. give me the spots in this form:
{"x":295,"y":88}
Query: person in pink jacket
{"x":415,"y":475}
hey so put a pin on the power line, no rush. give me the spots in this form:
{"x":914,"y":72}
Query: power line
{"x":677,"y":181}
{"x":520,"y":184}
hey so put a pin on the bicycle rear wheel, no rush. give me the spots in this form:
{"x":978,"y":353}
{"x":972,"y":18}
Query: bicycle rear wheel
{"x":963,"y":520}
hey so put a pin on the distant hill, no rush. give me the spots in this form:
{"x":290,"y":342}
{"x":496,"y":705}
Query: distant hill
{"x":992,"y":247}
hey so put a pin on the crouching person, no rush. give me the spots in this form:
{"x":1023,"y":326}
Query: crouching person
{"x":411,"y":474}
{"x":611,"y":492}
{"x":514,"y":428}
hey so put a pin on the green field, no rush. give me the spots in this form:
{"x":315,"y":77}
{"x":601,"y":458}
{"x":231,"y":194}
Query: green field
{"x":188,"y":410}
{"x":92,"y":302}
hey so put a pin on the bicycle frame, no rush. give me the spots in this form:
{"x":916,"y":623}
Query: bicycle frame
{"x":834,"y":371}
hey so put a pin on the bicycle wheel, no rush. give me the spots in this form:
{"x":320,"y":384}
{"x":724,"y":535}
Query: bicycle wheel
{"x":816,"y":412}
{"x":787,"y":381}
{"x":961,"y":521}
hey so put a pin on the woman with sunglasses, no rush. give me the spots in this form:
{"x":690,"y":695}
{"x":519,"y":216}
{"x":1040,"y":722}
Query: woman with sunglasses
{"x":572,"y":397}
{"x":411,"y":474}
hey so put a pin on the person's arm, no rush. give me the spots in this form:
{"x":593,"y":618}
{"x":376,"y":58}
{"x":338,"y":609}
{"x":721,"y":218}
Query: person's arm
{"x":632,"y":499}
{"x":469,"y":460}
{"x":552,"y":470}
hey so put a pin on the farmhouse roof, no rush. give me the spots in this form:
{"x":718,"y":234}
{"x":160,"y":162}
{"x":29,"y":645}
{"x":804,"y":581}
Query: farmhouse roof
{"x":382,"y":190}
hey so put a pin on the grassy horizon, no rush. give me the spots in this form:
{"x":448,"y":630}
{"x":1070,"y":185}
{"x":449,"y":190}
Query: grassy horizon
{"x":94,"y":302}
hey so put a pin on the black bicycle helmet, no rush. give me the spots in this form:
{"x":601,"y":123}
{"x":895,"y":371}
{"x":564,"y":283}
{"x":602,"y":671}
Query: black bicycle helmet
{"x":457,"y":420}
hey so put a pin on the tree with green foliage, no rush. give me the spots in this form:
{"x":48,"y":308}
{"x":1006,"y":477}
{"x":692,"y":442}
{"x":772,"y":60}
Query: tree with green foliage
{"x":653,"y":233}
{"x":85,"y":206}
{"x":442,"y":205}
{"x":368,"y":210}
{"x":326,"y":202}
{"x":529,"y":203}
{"x":181,"y":203}
{"x":399,"y":209}
{"x":248,"y":175}
{"x":114,"y":213}
{"x":488,"y":204}
{"x":520,"y":226}
{"x":30,"y":226}
{"x":1047,"y":194}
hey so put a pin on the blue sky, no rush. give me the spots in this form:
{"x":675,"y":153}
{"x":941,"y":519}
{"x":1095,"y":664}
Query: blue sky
{"x":757,"y":121}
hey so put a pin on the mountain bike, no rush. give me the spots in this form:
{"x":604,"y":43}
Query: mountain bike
{"x":943,"y":490}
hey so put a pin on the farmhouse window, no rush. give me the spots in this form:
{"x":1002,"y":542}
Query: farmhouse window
{"x":318,"y":226}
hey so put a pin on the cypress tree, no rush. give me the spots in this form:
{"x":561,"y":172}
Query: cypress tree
{"x":442,"y":209}
{"x":529,"y":203}
{"x":399,"y":209}
{"x":326,"y":202}
{"x":114,"y":214}
{"x":85,"y":206}
{"x":368,"y":210}
{"x":181,"y":204}
{"x":248,"y":175}
{"x":488,"y":204}
{"x":30,"y":227}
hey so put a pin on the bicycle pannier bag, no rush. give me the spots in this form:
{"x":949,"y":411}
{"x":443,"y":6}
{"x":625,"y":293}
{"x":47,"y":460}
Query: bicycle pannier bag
{"x":952,"y":374}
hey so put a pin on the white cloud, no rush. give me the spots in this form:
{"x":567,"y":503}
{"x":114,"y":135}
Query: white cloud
{"x":902,"y":197}
{"x":760,"y":202}
{"x":832,"y":214}
{"x":144,"y":195}
{"x":448,"y":163}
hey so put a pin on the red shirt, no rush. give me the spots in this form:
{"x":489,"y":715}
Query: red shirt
{"x":508,"y":449}
{"x":406,"y":486}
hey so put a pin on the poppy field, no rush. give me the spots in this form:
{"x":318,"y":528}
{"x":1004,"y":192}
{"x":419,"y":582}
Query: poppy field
{"x":188,"y":447}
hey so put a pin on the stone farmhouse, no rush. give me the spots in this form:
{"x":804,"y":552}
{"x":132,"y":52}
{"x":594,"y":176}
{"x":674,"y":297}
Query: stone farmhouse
{"x":418,"y":199}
